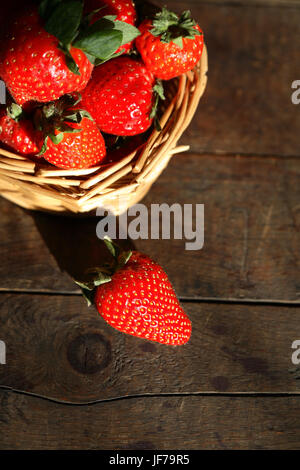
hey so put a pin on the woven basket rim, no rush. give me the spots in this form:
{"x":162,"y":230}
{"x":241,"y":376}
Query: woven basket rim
{"x":116,"y":186}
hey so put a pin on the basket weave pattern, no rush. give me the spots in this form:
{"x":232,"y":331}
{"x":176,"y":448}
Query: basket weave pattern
{"x":117,"y":186}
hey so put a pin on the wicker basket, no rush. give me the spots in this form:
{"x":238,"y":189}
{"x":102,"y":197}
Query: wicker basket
{"x":116,"y":186}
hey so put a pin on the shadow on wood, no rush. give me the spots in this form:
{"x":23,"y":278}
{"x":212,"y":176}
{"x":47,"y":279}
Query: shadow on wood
{"x":74,"y":243}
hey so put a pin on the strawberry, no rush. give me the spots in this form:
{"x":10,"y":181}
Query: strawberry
{"x":120,"y":97}
{"x":170,"y":45}
{"x":32,"y":65}
{"x":51,"y":52}
{"x":122,"y":10}
{"x":136,"y":297}
{"x":17,"y":131}
{"x":77,"y":150}
{"x":71,"y":138}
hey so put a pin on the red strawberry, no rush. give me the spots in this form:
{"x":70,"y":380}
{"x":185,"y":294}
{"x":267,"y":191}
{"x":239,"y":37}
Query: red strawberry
{"x":33,"y":66}
{"x":120,"y":97}
{"x":78,"y":150}
{"x":17,"y":131}
{"x":169,"y":45}
{"x":72,"y":139}
{"x":138,"y":299}
{"x":124,"y":10}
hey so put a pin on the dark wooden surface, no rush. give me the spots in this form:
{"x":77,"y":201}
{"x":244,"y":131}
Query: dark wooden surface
{"x":151,"y":423}
{"x":251,"y":250}
{"x":253,"y":59}
{"x":59,"y":348}
{"x":72,"y":382}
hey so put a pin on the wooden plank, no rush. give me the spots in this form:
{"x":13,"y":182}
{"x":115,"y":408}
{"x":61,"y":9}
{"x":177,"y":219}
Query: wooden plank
{"x":252,"y":240}
{"x":251,"y":246}
{"x":57,"y":347}
{"x":151,"y":423}
{"x":253,"y":60}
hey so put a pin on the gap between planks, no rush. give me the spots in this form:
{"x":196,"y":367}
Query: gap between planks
{"x":211,"y":300}
{"x":208,"y":394}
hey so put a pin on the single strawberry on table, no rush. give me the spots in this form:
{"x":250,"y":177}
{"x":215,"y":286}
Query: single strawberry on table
{"x":135,"y":296}
{"x":170,"y":45}
{"x":71,"y":139}
{"x":120,"y":97}
{"x":48,"y":52}
{"x":17,"y":130}
{"x":123,"y":10}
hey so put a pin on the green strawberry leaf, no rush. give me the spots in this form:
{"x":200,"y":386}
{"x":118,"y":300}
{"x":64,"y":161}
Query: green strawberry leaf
{"x":112,"y":247}
{"x":57,"y":138}
{"x":87,"y":293}
{"x":72,"y":66}
{"x":89,"y":296}
{"x":15,"y":111}
{"x":49,"y":110}
{"x":44,"y":147}
{"x":71,"y":100}
{"x":85,"y":285}
{"x":76,"y":100}
{"x":65,"y":20}
{"x":88,"y":18}
{"x":46,"y":7}
{"x":74,"y":117}
{"x":120,"y":257}
{"x":97,"y":277}
{"x":178,"y":42}
{"x":91,"y":58}
{"x":113,"y":56}
{"x":129,"y":31}
{"x":66,"y":129}
{"x":124,"y":258}
{"x":77,"y":116}
{"x":159,"y":95}
{"x":85,"y":114}
{"x":100,"y":43}
{"x":159,"y":89}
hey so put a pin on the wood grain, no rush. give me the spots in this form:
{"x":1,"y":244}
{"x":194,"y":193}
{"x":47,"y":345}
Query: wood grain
{"x":151,"y":423}
{"x":253,"y":60}
{"x":57,"y":347}
{"x":251,"y":246}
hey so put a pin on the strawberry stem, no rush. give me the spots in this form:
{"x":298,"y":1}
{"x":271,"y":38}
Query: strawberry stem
{"x":95,"y":277}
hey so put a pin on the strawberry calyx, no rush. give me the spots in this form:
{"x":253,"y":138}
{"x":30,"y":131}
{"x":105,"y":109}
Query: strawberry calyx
{"x":95,"y":277}
{"x":99,"y":41}
{"x":53,"y":119}
{"x":170,"y":27}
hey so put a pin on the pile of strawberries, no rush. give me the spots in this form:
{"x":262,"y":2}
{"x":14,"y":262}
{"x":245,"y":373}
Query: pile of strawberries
{"x":79,"y":72}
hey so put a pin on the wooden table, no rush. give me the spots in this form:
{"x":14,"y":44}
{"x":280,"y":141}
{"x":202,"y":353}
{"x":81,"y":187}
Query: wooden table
{"x":72,"y":382}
